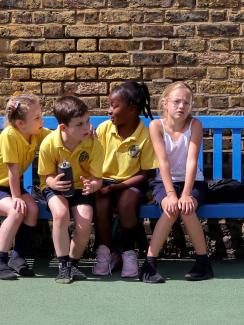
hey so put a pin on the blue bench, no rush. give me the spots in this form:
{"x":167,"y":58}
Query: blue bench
{"x":217,"y":124}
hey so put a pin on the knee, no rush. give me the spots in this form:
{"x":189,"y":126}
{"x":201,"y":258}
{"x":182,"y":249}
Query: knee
{"x":18,"y":217}
{"x":32,"y":215}
{"x":61,"y":218}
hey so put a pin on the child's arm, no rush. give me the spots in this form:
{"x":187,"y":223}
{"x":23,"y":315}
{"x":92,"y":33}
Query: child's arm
{"x":156,"y":134}
{"x":186,"y":203}
{"x":90,"y":185}
{"x":14,"y":184}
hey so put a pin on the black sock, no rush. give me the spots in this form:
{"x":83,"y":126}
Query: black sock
{"x":152,"y":261}
{"x":22,"y":240}
{"x":128,"y":236}
{"x":203,"y":259}
{"x":63,"y":260}
{"x":73,"y":261}
{"x":3,"y":257}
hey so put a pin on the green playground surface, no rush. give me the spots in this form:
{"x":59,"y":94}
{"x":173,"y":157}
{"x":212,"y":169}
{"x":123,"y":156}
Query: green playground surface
{"x":113,"y":300}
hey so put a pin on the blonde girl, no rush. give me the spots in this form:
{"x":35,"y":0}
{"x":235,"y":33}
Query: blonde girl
{"x":18,"y":144}
{"x":179,"y":186}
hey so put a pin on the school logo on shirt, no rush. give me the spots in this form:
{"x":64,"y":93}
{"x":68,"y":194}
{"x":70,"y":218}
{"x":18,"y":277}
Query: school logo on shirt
{"x":83,"y":156}
{"x":134,"y":151}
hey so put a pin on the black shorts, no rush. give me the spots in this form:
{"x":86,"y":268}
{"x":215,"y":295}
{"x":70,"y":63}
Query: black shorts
{"x":77,"y":199}
{"x":142,"y":188}
{"x":199,"y":190}
{"x":5,"y":192}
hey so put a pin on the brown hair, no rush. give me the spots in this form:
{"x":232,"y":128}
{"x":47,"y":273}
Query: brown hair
{"x":18,"y":106}
{"x":68,"y":107}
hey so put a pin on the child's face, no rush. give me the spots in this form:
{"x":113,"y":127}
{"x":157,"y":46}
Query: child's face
{"x":178,"y":104}
{"x":78,"y":128}
{"x":32,"y":124}
{"x":118,"y":109}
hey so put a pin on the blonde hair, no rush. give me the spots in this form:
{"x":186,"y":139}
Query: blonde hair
{"x":168,"y":89}
{"x":18,"y":106}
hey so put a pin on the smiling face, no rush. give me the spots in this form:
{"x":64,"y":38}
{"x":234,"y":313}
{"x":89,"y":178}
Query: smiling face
{"x":118,"y":109}
{"x":178,"y":104}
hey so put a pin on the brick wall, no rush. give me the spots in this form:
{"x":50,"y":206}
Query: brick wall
{"x":50,"y":46}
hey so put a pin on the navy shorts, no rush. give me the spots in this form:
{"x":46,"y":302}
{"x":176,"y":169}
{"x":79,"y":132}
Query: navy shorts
{"x":77,"y":199}
{"x":5,"y":192}
{"x":141,"y":188}
{"x":199,"y":191}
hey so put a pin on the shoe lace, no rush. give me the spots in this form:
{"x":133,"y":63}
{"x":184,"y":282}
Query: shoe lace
{"x":63,"y":271}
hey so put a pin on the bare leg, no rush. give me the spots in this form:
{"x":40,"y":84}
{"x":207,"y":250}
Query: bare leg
{"x":61,"y":219}
{"x":83,"y":218}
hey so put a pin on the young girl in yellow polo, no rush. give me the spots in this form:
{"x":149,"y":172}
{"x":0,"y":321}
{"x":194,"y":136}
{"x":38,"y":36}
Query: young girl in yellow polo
{"x":129,"y":157}
{"x":19,"y":142}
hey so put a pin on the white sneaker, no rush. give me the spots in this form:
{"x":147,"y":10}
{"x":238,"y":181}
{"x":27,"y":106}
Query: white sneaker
{"x":130,"y":264}
{"x":102,"y":266}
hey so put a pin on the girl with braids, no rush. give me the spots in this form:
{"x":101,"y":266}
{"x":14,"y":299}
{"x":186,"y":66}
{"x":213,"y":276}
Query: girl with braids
{"x":129,"y":157}
{"x":19,"y":142}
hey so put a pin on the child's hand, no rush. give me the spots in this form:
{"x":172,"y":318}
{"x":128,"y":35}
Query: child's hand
{"x":110,"y":188}
{"x":87,"y":186}
{"x":170,"y":205}
{"x":186,"y":204}
{"x":57,"y":184}
{"x":19,"y":205}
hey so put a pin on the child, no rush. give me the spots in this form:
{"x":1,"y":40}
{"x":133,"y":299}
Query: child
{"x":19,"y":142}
{"x":179,"y":186}
{"x":71,"y":142}
{"x":129,"y":157}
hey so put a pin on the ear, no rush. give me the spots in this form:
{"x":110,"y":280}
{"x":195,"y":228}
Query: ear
{"x":62,"y":127}
{"x":19,"y":124}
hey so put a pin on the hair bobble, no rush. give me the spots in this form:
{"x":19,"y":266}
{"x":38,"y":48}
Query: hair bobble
{"x":16,"y":104}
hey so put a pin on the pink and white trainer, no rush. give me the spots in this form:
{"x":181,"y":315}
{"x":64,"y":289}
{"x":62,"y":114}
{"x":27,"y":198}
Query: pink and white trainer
{"x":130,"y":264}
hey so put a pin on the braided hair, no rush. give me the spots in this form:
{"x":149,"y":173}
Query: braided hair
{"x":136,"y":94}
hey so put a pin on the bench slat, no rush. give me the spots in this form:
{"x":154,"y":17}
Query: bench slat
{"x":217,"y":154}
{"x":236,"y":155}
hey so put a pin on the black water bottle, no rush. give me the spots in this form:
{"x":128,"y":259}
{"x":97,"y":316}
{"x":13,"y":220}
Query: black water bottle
{"x":66,"y":169}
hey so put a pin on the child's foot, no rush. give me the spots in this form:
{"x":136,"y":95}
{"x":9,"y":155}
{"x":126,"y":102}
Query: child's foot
{"x":63,"y":276}
{"x":6,"y":273}
{"x":148,"y":272}
{"x":102,"y":266}
{"x":20,"y":266}
{"x":76,"y":274}
{"x":130,"y":264}
{"x":200,"y":271}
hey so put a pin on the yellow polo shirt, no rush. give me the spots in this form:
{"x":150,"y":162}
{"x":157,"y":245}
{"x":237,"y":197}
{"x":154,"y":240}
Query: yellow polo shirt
{"x":15,"y":149}
{"x":125,"y":158}
{"x":86,"y":159}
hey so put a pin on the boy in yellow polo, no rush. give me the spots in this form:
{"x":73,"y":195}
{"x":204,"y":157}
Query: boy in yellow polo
{"x":71,"y":143}
{"x":129,"y":157}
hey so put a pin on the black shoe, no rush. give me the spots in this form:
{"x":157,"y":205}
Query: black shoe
{"x":6,"y":273}
{"x":200,"y":271}
{"x":63,"y":276}
{"x":76,"y":274}
{"x":20,"y":266}
{"x":148,"y":273}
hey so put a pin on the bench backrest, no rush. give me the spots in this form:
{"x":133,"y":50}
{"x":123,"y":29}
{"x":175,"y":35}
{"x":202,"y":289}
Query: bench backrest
{"x":216,"y":123}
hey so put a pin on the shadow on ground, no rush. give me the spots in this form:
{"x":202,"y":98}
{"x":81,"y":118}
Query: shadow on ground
{"x":170,"y":269}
